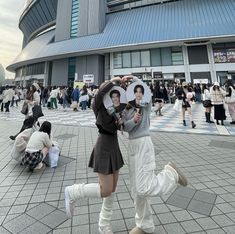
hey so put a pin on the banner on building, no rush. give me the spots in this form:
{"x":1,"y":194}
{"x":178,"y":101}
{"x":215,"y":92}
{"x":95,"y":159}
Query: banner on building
{"x":88,"y":78}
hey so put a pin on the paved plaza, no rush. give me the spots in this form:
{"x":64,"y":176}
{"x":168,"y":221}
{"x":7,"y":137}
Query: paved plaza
{"x":169,"y":122}
{"x":34,"y":202}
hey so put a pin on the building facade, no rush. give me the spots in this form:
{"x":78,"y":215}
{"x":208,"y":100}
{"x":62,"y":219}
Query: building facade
{"x":153,"y":39}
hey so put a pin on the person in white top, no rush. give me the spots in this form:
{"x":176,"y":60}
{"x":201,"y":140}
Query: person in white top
{"x":206,"y":100}
{"x":53,"y":97}
{"x":20,"y":144}
{"x":8,"y":94}
{"x":217,"y":100}
{"x":38,"y":147}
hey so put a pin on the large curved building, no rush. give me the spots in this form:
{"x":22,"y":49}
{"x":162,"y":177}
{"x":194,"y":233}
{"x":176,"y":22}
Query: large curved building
{"x":192,"y":40}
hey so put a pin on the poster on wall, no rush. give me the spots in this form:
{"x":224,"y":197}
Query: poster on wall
{"x":220,"y":56}
{"x":231,"y":55}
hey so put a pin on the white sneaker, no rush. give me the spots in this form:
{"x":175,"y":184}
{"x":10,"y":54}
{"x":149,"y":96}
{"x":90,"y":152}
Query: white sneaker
{"x":69,"y":203}
{"x":105,"y":230}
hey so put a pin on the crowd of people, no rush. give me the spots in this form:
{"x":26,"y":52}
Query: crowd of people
{"x":209,"y":95}
{"x":49,"y":97}
{"x":34,"y":140}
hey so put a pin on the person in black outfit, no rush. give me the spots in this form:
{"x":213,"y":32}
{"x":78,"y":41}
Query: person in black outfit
{"x":183,"y":94}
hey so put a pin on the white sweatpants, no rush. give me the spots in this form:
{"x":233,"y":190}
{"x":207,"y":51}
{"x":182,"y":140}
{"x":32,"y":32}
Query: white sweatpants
{"x":145,"y":182}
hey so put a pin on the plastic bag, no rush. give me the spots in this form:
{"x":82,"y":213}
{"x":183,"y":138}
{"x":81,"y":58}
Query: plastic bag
{"x":53,"y":156}
{"x":178,"y":105}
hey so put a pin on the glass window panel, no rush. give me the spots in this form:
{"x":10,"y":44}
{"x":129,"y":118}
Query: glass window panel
{"x":117,"y":60}
{"x":177,"y":58}
{"x":135,"y":58}
{"x":155,"y":57}
{"x":126,"y":59}
{"x":145,"y":58}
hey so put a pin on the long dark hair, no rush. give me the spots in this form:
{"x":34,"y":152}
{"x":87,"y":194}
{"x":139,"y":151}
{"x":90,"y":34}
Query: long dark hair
{"x":46,"y":127}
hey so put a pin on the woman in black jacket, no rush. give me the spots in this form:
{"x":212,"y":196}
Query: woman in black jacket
{"x":184,"y":93}
{"x":106,"y":160}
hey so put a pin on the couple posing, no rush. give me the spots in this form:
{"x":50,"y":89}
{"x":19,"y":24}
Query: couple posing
{"x":106,"y":159}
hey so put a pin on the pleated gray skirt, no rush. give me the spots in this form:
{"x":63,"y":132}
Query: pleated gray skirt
{"x":106,"y":157}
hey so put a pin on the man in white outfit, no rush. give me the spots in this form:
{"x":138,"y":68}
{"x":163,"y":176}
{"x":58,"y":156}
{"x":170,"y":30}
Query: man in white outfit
{"x":145,"y":183}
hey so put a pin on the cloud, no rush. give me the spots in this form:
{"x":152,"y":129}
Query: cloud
{"x":10,"y":35}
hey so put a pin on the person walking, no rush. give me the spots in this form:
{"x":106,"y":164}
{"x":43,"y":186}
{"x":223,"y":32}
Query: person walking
{"x":64,"y":97}
{"x":75,"y":98}
{"x":217,"y":100}
{"x":145,"y":183}
{"x":84,"y":98}
{"x":159,"y":98}
{"x":53,"y":98}
{"x":32,"y":99}
{"x":8,"y":95}
{"x":106,"y":160}
{"x":206,"y":97}
{"x":183,"y":94}
{"x":230,"y":99}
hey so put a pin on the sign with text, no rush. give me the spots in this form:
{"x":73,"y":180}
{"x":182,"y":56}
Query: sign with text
{"x":88,"y":79}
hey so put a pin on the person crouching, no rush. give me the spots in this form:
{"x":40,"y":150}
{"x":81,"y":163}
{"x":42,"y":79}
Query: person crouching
{"x":38,"y":147}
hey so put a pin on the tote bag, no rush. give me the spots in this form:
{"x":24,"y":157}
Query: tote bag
{"x":178,"y":105}
{"x":53,"y":157}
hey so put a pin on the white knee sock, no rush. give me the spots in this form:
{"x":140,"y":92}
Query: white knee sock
{"x":85,"y":191}
{"x":106,"y":211}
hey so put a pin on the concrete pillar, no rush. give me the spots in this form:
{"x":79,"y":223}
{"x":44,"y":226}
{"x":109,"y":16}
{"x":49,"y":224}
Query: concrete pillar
{"x":186,"y":64}
{"x":211,"y":63}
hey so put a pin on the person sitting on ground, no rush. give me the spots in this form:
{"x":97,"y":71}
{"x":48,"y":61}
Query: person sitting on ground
{"x":21,"y":141}
{"x":38,"y":147}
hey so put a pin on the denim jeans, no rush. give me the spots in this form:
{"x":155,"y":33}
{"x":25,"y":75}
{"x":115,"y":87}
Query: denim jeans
{"x":84,"y":104}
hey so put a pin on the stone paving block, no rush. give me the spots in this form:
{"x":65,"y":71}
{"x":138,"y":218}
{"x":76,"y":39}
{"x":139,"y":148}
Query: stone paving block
{"x":226,"y":208}
{"x":160,"y":208}
{"x":207,"y":223}
{"x":159,"y":229}
{"x":229,"y":230}
{"x":128,"y":213}
{"x":54,"y":219}
{"x":22,"y":200}
{"x":4,"y":231}
{"x":191,"y":226}
{"x":17,"y":209}
{"x":118,"y":225}
{"x":37,"y":227}
{"x":174,"y":228}
{"x":37,"y":198}
{"x":80,"y":220}
{"x":2,"y":219}
{"x":19,"y":223}
{"x":4,"y":210}
{"x":200,"y":207}
{"x":178,"y":201}
{"x":40,"y":211}
{"x":64,"y":231}
{"x":166,"y":218}
{"x":222,"y":220}
{"x":205,"y":197}
{"x":7,"y":202}
{"x":215,"y":231}
{"x":182,"y":215}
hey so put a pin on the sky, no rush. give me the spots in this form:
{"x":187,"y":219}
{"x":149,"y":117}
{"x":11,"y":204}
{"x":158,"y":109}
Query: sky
{"x":10,"y":36}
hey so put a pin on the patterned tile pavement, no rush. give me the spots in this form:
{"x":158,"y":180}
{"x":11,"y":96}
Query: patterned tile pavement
{"x":34,"y":202}
{"x":169,"y":122}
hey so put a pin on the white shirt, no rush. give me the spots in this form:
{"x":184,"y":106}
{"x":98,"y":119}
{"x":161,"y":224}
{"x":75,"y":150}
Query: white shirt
{"x":38,"y":141}
{"x":8,"y":95}
{"x":54,"y":93}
